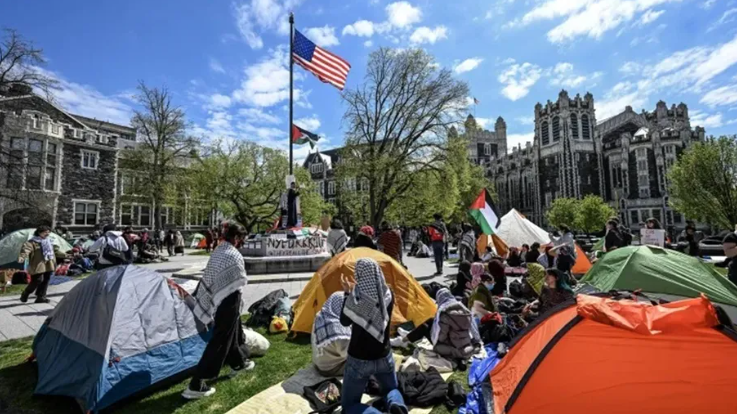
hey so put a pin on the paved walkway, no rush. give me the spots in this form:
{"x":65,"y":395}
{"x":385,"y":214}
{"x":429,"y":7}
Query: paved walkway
{"x":18,"y":320}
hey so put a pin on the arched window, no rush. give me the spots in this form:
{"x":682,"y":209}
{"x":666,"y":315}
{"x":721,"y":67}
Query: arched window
{"x":574,"y":125}
{"x":556,"y":129}
{"x":544,"y":133}
{"x":586,"y":130}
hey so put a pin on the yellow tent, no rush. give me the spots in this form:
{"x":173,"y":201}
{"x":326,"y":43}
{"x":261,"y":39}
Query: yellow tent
{"x":411,"y":302}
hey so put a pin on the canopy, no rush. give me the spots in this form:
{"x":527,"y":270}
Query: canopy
{"x":411,"y":302}
{"x":516,"y":230}
{"x":657,"y":270}
{"x":673,"y":358}
{"x":10,"y":246}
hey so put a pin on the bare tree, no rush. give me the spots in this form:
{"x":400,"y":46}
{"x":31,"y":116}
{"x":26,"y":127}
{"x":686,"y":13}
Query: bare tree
{"x":164,"y":147}
{"x":398,"y":120}
{"x":19,"y":63}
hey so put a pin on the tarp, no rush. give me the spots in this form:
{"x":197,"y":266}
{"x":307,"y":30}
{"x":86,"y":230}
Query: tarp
{"x":116,"y":333}
{"x":10,"y":246}
{"x":582,"y":264}
{"x":516,"y":230}
{"x":411,"y":302}
{"x":656,"y":270}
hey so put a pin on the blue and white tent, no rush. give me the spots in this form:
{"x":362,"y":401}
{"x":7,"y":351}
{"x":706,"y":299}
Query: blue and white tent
{"x":116,"y":333}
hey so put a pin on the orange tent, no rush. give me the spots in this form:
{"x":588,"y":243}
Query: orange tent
{"x":498,"y":244}
{"x":605,"y":356}
{"x":582,"y":264}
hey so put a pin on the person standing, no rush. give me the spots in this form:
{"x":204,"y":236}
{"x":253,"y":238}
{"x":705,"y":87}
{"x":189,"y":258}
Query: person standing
{"x":218,"y":301}
{"x":41,"y":254}
{"x":337,"y":239}
{"x":365,"y":238}
{"x":467,"y":244}
{"x":208,"y":240}
{"x":367,"y":310}
{"x":169,"y":241}
{"x":613,"y":238}
{"x":438,"y":236}
{"x":161,"y":240}
{"x":390,"y":242}
{"x":111,"y":247}
{"x":178,"y":243}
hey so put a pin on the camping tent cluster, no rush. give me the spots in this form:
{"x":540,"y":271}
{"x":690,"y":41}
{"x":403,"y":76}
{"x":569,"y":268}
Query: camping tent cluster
{"x":10,"y":246}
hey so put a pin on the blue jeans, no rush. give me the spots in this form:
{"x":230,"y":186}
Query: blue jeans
{"x":356,"y":376}
{"x":438,"y":251}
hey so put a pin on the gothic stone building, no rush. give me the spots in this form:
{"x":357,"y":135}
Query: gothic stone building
{"x":61,"y":169}
{"x":624,"y":159}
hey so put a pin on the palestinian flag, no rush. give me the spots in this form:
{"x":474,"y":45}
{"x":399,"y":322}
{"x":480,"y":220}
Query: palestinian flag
{"x":301,"y":136}
{"x":484,"y":212}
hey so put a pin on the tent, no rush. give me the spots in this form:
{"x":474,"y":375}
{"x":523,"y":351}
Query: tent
{"x":116,"y":333}
{"x":494,"y":241}
{"x":196,"y":239}
{"x":582,"y":264}
{"x":10,"y":246}
{"x":516,"y":230}
{"x":411,"y":302}
{"x":656,"y":270}
{"x":638,"y":358}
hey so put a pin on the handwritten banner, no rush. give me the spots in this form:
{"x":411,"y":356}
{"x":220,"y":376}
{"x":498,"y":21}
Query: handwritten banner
{"x":654,"y":237}
{"x":296,"y":247}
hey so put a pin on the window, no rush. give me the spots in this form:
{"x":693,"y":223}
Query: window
{"x":643,"y":173}
{"x":641,"y":152}
{"x":321,"y":189}
{"x":102,"y":138}
{"x":85,"y":213}
{"x":634,"y":217}
{"x":144,"y":217}
{"x":15,"y":163}
{"x":544,"y":133}
{"x":574,"y":126}
{"x":166,"y":214}
{"x":331,"y":200}
{"x":55,"y":129}
{"x":585,"y":129}
{"x":487,"y":149}
{"x":656,"y":214}
{"x":669,"y":163}
{"x":51,"y":158}
{"x":548,"y":199}
{"x":331,"y":187}
{"x":90,"y":159}
{"x":670,"y":149}
{"x":126,"y":215}
{"x":644,"y":192}
{"x":677,"y":218}
{"x":588,"y":180}
{"x":316,"y":168}
{"x":35,"y":164}
{"x":556,"y":129}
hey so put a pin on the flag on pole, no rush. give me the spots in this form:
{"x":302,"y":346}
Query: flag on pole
{"x":301,"y":136}
{"x":476,"y":101}
{"x":328,"y":67}
{"x":484,"y":212}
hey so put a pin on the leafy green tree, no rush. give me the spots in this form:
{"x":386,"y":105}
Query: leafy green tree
{"x":703,"y":182}
{"x":592,"y":214}
{"x":563,"y":211}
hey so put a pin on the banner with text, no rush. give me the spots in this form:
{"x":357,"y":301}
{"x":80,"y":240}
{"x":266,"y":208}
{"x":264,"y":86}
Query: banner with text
{"x":654,"y":237}
{"x":296,"y":247}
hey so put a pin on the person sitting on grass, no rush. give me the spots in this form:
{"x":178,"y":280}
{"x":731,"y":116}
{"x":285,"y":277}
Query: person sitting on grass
{"x":218,"y":301}
{"x":330,"y":338}
{"x":367,"y":310}
{"x":481,"y":300}
{"x":554,"y":292}
{"x":463,"y":279}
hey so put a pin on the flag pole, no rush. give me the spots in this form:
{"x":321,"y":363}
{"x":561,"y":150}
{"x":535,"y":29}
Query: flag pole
{"x":291,"y":83}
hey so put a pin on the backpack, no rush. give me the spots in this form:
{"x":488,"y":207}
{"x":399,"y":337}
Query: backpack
{"x":435,"y":234}
{"x":113,"y":255}
{"x":324,"y":396}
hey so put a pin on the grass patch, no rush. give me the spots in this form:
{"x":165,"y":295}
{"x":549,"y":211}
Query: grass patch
{"x":18,"y":289}
{"x":18,"y":380}
{"x":199,"y":253}
{"x":460,"y":376}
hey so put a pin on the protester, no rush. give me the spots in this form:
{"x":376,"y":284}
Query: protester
{"x":218,"y":301}
{"x":533,"y":254}
{"x":691,"y":240}
{"x":691,"y":226}
{"x":208,"y":240}
{"x":337,"y":238}
{"x":143,"y":240}
{"x":369,"y":353}
{"x":438,"y":236}
{"x":365,"y":238}
{"x":729,"y":244}
{"x":112,"y":248}
{"x":467,"y":245}
{"x":496,"y":270}
{"x":463,"y":279}
{"x":488,"y":255}
{"x":481,"y":300}
{"x":554,"y":292}
{"x":390,"y":242}
{"x":477,"y":269}
{"x":535,"y":277}
{"x":422,"y":250}
{"x":330,"y":338}
{"x":565,"y":239}
{"x":41,"y":254}
{"x":613,"y":238}
{"x":178,"y":243}
{"x":130,"y":239}
{"x":653,"y":224}
{"x":547,"y":258}
{"x":514,"y":259}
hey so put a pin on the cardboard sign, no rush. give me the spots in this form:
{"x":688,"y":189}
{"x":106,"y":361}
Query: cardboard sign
{"x":296,"y":247}
{"x":655,"y":237}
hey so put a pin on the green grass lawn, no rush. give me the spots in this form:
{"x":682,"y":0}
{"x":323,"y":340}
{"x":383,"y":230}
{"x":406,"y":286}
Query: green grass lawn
{"x":18,"y":289}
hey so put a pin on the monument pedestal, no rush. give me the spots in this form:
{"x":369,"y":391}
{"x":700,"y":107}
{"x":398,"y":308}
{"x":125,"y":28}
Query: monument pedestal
{"x":276,"y":253}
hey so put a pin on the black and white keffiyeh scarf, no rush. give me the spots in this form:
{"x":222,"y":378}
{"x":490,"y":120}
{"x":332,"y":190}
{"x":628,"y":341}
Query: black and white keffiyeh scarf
{"x":366,"y":305}
{"x":328,"y":328}
{"x":224,"y":274}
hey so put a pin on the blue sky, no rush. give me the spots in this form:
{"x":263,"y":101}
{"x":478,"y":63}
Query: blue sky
{"x":225,"y":61}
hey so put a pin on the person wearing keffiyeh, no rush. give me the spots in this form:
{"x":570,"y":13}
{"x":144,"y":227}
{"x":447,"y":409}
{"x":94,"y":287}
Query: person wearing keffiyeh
{"x":330,"y":338}
{"x":367,"y":310}
{"x":41,"y":254}
{"x":218,"y":301}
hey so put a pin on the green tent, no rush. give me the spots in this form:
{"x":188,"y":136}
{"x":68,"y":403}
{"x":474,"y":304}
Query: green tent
{"x":656,"y":270}
{"x":10,"y":246}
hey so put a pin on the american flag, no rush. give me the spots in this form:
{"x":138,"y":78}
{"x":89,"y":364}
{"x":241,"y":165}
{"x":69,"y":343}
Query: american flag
{"x":327,"y":66}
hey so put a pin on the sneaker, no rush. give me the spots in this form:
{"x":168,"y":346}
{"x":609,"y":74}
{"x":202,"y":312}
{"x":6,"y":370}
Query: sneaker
{"x":42,"y":300}
{"x":23,"y":298}
{"x":402,"y":332}
{"x":398,"y":342}
{"x":204,"y":391}
{"x":235,"y":372}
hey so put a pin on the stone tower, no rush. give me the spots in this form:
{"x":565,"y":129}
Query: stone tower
{"x":500,"y":128}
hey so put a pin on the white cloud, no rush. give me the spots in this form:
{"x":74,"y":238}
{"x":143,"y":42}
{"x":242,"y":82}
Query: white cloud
{"x":728,"y":16}
{"x":484,"y":123}
{"x":368,"y":43}
{"x":403,"y":15}
{"x":526,"y":120}
{"x":267,"y":82}
{"x":220,"y":101}
{"x":618,"y":98}
{"x":489,"y":15}
{"x":725,"y":95}
{"x":258,"y":115}
{"x":513,"y":140}
{"x":631,"y":68}
{"x":590,"y":18}
{"x":322,"y":36}
{"x":467,"y":65}
{"x":563,"y":67}
{"x":215,"y":66}
{"x":427,"y":35}
{"x":311,"y":123}
{"x":708,"y":4}
{"x":650,"y":16}
{"x":563,"y":75}
{"x":699,"y":118}
{"x":254,"y":15}
{"x":87,"y":101}
{"x":361,"y":28}
{"x":518,"y":79}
